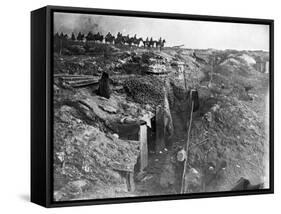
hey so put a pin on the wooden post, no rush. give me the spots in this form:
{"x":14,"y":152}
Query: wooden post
{"x":143,"y":146}
{"x":183,"y":187}
{"x":160,"y":129}
{"x":129,"y":177}
{"x":266,"y":67}
{"x":131,"y":182}
{"x":60,"y":46}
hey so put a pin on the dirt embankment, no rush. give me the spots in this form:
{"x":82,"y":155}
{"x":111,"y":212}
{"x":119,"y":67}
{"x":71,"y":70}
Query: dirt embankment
{"x":228,"y":137}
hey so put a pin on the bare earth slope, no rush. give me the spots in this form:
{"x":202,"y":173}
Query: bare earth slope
{"x":228,"y":134}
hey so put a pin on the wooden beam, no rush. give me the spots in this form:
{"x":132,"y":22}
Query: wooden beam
{"x":131,"y":182}
{"x":143,"y":146}
{"x":160,"y":129}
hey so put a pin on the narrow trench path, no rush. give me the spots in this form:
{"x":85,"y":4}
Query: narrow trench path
{"x":148,"y":182}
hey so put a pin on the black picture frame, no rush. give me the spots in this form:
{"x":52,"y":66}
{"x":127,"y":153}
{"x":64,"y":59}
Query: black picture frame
{"x":42,"y":111}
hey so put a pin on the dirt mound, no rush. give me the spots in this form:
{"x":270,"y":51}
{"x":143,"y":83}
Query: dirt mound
{"x":228,"y":136}
{"x":250,"y":60}
{"x":145,"y":90}
{"x":228,"y":132}
{"x":85,"y":154}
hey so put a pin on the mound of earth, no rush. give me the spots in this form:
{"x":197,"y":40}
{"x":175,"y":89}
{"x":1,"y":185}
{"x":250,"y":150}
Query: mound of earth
{"x":86,"y":158}
{"x":228,"y":134}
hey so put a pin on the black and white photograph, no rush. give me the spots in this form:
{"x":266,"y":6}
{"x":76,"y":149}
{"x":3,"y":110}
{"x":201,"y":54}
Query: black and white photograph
{"x":147,"y":106}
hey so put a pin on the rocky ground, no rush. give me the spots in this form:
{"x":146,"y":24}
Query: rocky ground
{"x":228,"y":134}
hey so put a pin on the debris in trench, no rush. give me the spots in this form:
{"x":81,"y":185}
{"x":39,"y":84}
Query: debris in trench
{"x":108,"y":108}
{"x":181,"y":155}
{"x":245,"y":184}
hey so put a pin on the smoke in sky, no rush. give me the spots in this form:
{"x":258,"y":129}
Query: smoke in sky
{"x":67,"y":23}
{"x":192,"y":34}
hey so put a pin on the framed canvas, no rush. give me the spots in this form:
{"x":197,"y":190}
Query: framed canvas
{"x":134,"y":106}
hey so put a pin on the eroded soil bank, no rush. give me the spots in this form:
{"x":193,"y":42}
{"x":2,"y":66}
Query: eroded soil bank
{"x":93,"y":152}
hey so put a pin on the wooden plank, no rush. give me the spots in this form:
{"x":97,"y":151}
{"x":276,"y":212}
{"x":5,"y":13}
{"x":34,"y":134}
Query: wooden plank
{"x":160,"y":129}
{"x":72,"y":75}
{"x":131,"y":182}
{"x":85,"y":85}
{"x":123,"y":167}
{"x":82,"y":81}
{"x":143,"y":147}
{"x":79,"y":79}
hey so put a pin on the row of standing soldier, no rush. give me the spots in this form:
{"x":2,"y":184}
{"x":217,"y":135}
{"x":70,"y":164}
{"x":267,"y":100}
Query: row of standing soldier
{"x":118,"y":40}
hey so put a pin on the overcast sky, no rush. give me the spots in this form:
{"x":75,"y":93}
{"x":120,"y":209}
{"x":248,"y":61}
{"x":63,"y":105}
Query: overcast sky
{"x":192,"y":34}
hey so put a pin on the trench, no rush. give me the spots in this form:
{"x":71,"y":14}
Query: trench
{"x":163,"y":174}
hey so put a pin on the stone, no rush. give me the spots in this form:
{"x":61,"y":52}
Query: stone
{"x":76,"y":187}
{"x":181,"y":155}
{"x":108,"y":108}
{"x":193,"y":181}
{"x":115,"y":135}
{"x":58,"y":195}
